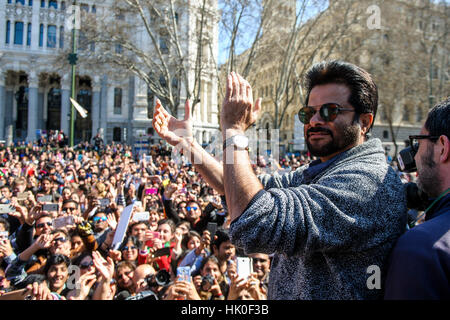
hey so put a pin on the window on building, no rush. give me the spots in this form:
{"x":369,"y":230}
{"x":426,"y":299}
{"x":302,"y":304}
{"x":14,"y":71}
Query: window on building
{"x":118,"y":48}
{"x":22,"y":2}
{"x":18,"y":33}
{"x":163,"y":44}
{"x":82,"y":40}
{"x":53,"y":4}
{"x":84,"y":7}
{"x":61,"y":37}
{"x":29,"y":34}
{"x":385,"y":134}
{"x":117,"y":100}
{"x":42,"y":3}
{"x":41,"y":35}
{"x":9,"y":1}
{"x":51,"y":36}
{"x":94,"y":9}
{"x":162,"y":81}
{"x":8,"y":30}
{"x":406,"y":114}
{"x":30,"y":3}
{"x":117,"y":134}
{"x":419,"y":115}
{"x":63,"y":5}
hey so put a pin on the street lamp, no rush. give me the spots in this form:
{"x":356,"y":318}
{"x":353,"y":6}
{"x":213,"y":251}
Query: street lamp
{"x":73,"y":61}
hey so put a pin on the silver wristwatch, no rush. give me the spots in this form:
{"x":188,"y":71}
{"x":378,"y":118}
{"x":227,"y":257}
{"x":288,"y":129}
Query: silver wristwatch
{"x":239,"y":141}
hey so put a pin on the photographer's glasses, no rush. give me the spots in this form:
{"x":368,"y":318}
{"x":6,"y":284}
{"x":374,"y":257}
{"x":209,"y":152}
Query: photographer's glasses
{"x":191,"y":208}
{"x":129,"y":248}
{"x":328,"y":112}
{"x":41,"y":225}
{"x":414,"y":140}
{"x":98,"y":219}
{"x":86,"y":265}
{"x":60,"y":239}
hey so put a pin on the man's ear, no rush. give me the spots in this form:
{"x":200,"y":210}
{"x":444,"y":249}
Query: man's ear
{"x":365,"y":121}
{"x":444,"y":146}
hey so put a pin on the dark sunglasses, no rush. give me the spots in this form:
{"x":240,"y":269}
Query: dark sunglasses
{"x":86,"y":265}
{"x":414,"y":140}
{"x":191,"y":208}
{"x":98,"y":219}
{"x":41,"y":225}
{"x":60,"y":239}
{"x":328,"y":112}
{"x":126,"y":248}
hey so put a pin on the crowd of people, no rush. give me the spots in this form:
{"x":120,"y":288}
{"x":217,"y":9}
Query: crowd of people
{"x":60,"y":208}
{"x":168,"y":231}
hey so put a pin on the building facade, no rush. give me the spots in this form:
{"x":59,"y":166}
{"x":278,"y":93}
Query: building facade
{"x":401,"y":43}
{"x":35,"y":77}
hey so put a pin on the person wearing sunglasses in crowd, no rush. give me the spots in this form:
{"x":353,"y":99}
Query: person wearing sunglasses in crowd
{"x":100,"y":227}
{"x":322,"y":221}
{"x":33,"y":259}
{"x":420,"y":261}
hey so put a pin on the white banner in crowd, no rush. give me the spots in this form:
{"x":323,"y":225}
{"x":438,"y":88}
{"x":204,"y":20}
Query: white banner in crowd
{"x":122,"y":226}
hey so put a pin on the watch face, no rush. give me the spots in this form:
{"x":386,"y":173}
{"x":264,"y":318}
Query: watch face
{"x":240,"y":141}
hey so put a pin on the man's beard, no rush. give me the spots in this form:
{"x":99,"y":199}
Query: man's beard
{"x":428,"y":180}
{"x":347,"y":135}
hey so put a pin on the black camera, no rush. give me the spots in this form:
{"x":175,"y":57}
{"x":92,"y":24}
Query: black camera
{"x":406,"y":162}
{"x":207,"y":282}
{"x":160,"y":279}
{"x":416,"y":198}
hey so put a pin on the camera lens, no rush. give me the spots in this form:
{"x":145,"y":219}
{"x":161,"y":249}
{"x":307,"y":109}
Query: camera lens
{"x":162,"y":277}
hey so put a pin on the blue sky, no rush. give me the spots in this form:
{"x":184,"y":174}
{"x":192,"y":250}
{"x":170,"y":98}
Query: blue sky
{"x":249,"y":28}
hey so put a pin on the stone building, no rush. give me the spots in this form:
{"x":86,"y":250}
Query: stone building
{"x":403,"y":44}
{"x":35,"y":77}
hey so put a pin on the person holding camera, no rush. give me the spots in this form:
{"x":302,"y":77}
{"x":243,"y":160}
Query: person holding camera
{"x":420,"y":262}
{"x":211,"y":283}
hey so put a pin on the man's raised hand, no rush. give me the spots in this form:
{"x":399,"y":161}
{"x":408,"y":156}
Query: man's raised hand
{"x":169,"y":128}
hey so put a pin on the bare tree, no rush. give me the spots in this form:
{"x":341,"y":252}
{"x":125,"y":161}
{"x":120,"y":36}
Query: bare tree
{"x":166,"y":43}
{"x":406,"y":58}
{"x":310,"y":35}
{"x":242,"y":27}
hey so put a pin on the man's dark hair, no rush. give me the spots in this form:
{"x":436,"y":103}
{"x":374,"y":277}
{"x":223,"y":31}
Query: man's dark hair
{"x":363,"y":91}
{"x":222,"y":237}
{"x":438,"y":120}
{"x":5,"y":223}
{"x":56,"y":259}
{"x":133,"y":224}
{"x":70,"y":201}
{"x":61,"y":231}
{"x":169,"y":222}
{"x":46,"y":178}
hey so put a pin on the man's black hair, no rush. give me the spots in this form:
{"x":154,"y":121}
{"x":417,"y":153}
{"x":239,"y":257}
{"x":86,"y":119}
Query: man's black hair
{"x":438,"y":120}
{"x":363,"y":91}
{"x":5,"y":223}
{"x":56,"y":259}
{"x":222,"y":236}
{"x":70,"y":201}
